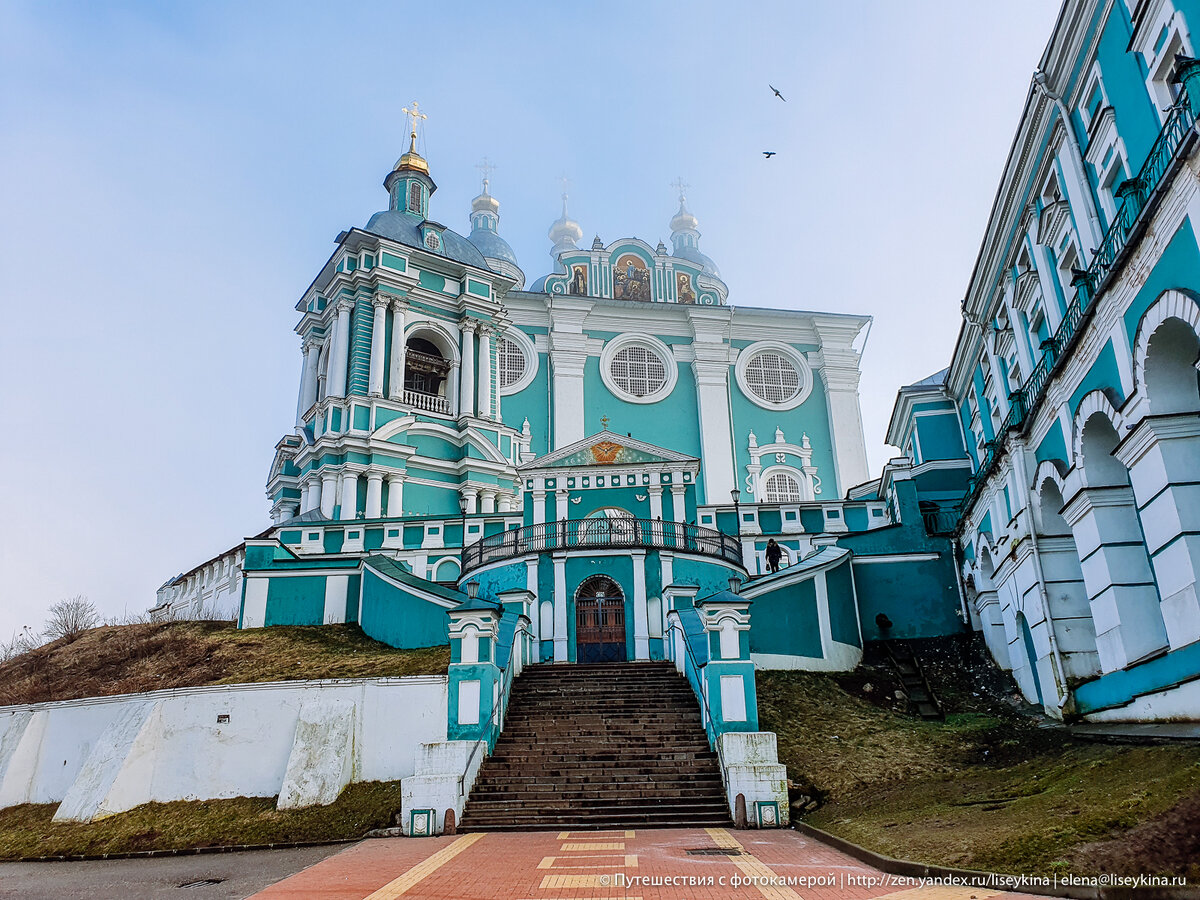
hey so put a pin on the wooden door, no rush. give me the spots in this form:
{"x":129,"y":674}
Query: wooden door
{"x":600,"y":621}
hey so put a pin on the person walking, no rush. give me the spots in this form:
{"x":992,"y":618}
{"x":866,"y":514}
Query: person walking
{"x":774,"y":553}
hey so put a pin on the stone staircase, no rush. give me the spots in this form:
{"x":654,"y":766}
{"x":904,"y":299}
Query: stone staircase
{"x":616,"y":745}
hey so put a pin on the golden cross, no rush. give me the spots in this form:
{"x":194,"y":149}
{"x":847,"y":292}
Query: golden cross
{"x":415,"y":113}
{"x":680,"y":185}
{"x":604,"y":422}
{"x":487,"y":168}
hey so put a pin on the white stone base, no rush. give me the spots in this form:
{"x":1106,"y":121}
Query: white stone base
{"x":752,"y":769}
{"x":442,"y":781}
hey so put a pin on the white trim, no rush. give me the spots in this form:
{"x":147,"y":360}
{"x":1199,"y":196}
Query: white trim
{"x":648,"y":342}
{"x":788,"y":352}
{"x":521,"y":339}
{"x":896,"y":558}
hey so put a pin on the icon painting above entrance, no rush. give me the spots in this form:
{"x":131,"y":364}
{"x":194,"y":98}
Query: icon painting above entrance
{"x":599,"y":621}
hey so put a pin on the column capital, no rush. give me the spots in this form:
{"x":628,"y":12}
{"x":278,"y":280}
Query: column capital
{"x":381,"y":300}
{"x":469,"y":326}
{"x":399,"y":303}
{"x":375,"y":475}
{"x":309,"y":342}
{"x":345,"y":305}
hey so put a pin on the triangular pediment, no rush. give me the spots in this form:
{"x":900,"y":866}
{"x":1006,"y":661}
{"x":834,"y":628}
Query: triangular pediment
{"x":607,"y":449}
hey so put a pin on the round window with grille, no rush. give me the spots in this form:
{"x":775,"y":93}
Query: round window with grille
{"x":774,"y":375}
{"x":638,"y":371}
{"x":510,"y":360}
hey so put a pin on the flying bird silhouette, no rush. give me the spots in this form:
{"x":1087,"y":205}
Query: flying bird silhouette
{"x":777,"y":94}
{"x":768,"y":153}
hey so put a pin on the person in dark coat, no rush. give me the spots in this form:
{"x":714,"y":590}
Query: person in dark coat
{"x":774,"y":553}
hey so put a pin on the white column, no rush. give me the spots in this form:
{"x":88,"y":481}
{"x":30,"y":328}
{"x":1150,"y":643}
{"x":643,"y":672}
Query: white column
{"x":485,"y":373}
{"x":308,"y":380}
{"x":314,"y":494}
{"x":568,"y":356}
{"x":349,"y":494}
{"x":472,"y":498}
{"x":341,"y":350}
{"x":845,"y":420}
{"x":304,"y":497}
{"x":641,"y":628}
{"x":560,"y":609}
{"x":395,"y":508}
{"x":487,"y":501}
{"x":378,"y":325}
{"x":328,"y":493}
{"x":538,"y":499}
{"x":396,"y":374}
{"x":374,"y":495}
{"x":655,"y":493}
{"x":678,"y":507}
{"x":560,"y":509}
{"x":466,"y":380}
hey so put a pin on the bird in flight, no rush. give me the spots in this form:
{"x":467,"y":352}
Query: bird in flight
{"x":768,"y":153}
{"x":777,"y":94}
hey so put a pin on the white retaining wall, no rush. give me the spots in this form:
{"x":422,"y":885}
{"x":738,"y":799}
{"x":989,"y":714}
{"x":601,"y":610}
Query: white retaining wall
{"x":302,"y":740}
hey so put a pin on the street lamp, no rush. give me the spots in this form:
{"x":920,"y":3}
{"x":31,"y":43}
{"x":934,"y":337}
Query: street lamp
{"x":734,"y":584}
{"x":737,"y":509}
{"x":472,"y":589}
{"x":462,"y":506}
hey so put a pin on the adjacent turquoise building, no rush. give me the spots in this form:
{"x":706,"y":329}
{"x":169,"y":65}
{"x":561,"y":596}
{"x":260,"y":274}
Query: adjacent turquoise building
{"x":1062,"y":444}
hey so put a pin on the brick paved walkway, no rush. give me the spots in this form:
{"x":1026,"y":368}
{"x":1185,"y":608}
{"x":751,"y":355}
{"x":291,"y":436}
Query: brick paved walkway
{"x":667,"y":864}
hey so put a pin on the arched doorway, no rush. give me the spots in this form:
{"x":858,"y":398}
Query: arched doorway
{"x":599,"y":621}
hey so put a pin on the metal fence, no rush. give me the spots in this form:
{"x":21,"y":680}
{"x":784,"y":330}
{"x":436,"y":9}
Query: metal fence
{"x":601,"y":533}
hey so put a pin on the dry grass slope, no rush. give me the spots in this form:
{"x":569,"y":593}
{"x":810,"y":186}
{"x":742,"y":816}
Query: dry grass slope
{"x":124,"y":659}
{"x":27,"y":831}
{"x":987,"y":789}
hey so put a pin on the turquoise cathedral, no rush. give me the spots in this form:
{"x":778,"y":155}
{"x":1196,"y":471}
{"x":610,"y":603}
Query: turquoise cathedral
{"x":600,"y":451}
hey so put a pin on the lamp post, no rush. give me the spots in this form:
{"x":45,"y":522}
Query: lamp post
{"x":737,"y":510}
{"x":462,"y":507}
{"x":472,"y":587}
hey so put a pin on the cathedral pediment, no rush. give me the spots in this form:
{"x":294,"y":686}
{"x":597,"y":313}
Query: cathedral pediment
{"x":607,"y":449}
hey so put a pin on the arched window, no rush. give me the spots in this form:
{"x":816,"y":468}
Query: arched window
{"x":425,"y":369}
{"x":414,"y":196}
{"x":783,"y":488}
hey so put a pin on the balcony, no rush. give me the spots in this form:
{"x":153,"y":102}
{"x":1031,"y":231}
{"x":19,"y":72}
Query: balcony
{"x":1139,"y":196}
{"x":427,"y":402}
{"x":600,"y":534}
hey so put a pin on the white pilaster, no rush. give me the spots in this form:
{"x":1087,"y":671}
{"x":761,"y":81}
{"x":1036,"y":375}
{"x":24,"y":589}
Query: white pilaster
{"x":560,"y":609}
{"x":374,"y":508}
{"x":678,"y":507}
{"x":531,"y":585}
{"x":560,"y":510}
{"x":568,"y":357}
{"x":538,"y":499}
{"x":466,"y":382}
{"x":487,"y":501}
{"x":396,"y":373}
{"x":641,"y":629}
{"x":378,"y":325}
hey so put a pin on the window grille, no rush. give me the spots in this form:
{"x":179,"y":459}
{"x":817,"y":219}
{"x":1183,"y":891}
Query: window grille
{"x":638,"y":371}
{"x":772,"y":377}
{"x":783,"y":488}
{"x":510,"y":360}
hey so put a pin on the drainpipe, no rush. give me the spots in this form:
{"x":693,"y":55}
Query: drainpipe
{"x":1041,"y":84}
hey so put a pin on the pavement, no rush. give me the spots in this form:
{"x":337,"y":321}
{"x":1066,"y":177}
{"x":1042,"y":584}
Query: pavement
{"x":665,"y":864}
{"x":237,"y":875}
{"x":656,"y":864}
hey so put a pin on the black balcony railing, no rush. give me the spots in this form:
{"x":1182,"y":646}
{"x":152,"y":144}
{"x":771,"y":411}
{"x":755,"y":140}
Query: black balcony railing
{"x":1136,"y":195}
{"x":600,"y":534}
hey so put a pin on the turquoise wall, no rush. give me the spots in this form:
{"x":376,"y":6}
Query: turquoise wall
{"x":843,"y":616}
{"x":399,"y":619}
{"x":785,"y":621}
{"x":295,"y":600}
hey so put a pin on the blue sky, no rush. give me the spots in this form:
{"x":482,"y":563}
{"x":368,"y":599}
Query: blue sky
{"x":173,"y":175}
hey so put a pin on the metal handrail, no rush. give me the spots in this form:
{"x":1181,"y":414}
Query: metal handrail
{"x":687,"y":648}
{"x":499,"y":709}
{"x":600,"y":533}
{"x":1135,"y":195}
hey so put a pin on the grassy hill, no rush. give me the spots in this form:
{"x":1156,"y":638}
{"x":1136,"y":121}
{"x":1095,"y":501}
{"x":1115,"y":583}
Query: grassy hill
{"x":988,"y":788}
{"x":123,"y":659}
